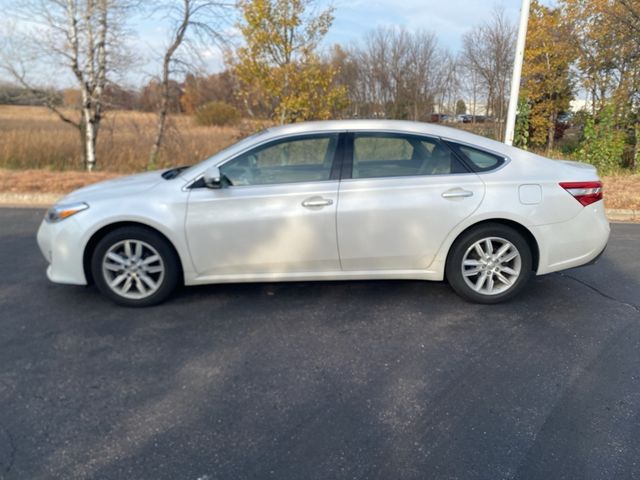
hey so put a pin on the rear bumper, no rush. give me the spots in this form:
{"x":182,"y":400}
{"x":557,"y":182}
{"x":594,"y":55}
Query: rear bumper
{"x":597,"y":258}
{"x":579,"y":241}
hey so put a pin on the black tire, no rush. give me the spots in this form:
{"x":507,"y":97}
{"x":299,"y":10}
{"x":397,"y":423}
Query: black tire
{"x":168,"y":259}
{"x":466,"y":241}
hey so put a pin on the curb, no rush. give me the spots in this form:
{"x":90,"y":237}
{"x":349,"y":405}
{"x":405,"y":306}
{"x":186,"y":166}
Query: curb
{"x":44,"y":200}
{"x":620,"y":215}
{"x":26,"y":200}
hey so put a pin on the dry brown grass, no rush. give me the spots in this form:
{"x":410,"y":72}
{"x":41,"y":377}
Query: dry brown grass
{"x":35,"y":146}
{"x":34,"y":138}
{"x":622,"y":191}
{"x":48,"y":181}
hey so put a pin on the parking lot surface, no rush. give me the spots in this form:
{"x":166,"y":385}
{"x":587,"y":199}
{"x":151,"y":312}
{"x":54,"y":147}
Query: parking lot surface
{"x":351,"y":380}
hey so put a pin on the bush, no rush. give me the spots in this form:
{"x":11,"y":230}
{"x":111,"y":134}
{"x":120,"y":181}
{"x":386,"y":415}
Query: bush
{"x":602,"y":142}
{"x":216,"y":113}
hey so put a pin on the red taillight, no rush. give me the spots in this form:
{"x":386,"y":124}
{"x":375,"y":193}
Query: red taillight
{"x":584,"y":192}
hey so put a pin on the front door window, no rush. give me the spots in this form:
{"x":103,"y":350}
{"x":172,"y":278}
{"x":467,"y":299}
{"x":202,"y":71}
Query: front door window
{"x":301,"y":159}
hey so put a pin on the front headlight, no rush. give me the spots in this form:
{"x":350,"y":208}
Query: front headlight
{"x":62,"y":211}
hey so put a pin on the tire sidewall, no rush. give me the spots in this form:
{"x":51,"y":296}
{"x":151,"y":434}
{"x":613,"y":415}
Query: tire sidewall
{"x":164,"y":249}
{"x":453,"y":269}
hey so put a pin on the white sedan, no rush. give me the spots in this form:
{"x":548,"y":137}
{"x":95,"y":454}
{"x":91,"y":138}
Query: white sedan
{"x":338,"y":200}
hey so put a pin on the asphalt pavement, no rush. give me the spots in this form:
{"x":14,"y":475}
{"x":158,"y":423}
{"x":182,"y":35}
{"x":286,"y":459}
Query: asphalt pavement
{"x":344,"y":380}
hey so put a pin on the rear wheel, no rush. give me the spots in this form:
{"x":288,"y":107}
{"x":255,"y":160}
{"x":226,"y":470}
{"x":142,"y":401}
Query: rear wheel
{"x":135,"y":266}
{"x":490,"y":263}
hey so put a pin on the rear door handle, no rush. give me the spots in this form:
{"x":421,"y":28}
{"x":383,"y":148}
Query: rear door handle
{"x":457,"y":193}
{"x":316,"y":202}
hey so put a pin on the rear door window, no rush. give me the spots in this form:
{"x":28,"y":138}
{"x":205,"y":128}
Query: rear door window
{"x":396,"y":155}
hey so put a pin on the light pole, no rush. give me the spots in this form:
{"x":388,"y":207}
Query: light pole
{"x":510,"y":126}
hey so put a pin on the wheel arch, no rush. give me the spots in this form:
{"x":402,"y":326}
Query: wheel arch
{"x":100,"y":234}
{"x":519,"y":227}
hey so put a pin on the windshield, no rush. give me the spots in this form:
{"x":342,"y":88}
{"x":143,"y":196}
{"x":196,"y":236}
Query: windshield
{"x":238,"y":145}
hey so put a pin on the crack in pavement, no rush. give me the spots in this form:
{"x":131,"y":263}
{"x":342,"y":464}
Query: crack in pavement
{"x":600,"y":292}
{"x":12,"y":450}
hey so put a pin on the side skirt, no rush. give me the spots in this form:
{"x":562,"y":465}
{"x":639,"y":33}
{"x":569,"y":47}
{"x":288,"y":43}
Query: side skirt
{"x":318,"y":276}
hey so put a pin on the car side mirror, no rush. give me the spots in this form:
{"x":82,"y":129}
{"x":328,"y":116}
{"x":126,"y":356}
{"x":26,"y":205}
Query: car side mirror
{"x":213,"y":178}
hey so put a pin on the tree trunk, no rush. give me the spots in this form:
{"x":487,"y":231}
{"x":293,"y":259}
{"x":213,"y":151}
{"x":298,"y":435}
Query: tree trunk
{"x":162,"y":122}
{"x":90,"y":140}
{"x":248,"y":107}
{"x":166,"y":90}
{"x":83,"y":145}
{"x":90,"y":124}
{"x":636,"y":148}
{"x":551,"y":132}
{"x":285,"y":92}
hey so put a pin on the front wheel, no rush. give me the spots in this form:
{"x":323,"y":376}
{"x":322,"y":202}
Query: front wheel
{"x":135,"y":267}
{"x":490,"y":263}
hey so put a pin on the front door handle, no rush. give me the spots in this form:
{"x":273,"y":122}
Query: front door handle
{"x":316,"y":202}
{"x":457,"y":193}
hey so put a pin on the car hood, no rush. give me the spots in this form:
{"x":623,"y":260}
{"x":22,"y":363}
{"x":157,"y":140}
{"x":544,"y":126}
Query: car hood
{"x":116,"y":187}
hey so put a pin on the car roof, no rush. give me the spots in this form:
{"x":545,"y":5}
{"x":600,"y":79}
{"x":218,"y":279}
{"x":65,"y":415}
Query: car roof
{"x":406,"y":126}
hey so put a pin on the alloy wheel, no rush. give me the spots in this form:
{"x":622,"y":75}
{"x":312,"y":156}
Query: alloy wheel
{"x":491,"y":265}
{"x":133,"y":269}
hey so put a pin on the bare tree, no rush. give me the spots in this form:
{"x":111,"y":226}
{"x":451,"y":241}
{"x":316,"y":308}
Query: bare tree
{"x":450,"y":83}
{"x":86,"y":37}
{"x":195,"y":24}
{"x":488,"y":51}
{"x":396,"y":74}
{"x":470,"y":84}
{"x":427,"y":73}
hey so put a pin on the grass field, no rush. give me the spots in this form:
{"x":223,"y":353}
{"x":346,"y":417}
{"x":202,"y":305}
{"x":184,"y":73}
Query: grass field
{"x":39,"y":153}
{"x":34,"y":138}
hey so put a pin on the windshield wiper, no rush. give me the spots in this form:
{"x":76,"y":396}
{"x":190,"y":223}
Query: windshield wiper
{"x":174,"y":172}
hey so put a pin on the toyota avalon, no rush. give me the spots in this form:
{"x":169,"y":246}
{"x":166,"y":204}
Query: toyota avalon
{"x":336,"y":200}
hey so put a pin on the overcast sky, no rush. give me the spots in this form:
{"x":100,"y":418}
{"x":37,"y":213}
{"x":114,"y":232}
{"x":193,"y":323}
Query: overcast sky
{"x":448,"y":19}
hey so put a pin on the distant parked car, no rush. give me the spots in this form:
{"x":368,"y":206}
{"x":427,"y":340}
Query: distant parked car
{"x":438,"y":118}
{"x":339,"y":200}
{"x":475,"y":119}
{"x":565,"y":119}
{"x":563,"y":123}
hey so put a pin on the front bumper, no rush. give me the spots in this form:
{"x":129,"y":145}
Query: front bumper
{"x":61,"y":246}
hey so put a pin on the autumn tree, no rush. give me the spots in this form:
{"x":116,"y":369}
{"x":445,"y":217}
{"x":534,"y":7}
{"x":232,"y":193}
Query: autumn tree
{"x":278,"y":66}
{"x":153,"y":93}
{"x":596,"y":44}
{"x":629,"y":15}
{"x":546,"y":75}
{"x":607,"y":43}
{"x":201,"y":89}
{"x":346,"y":68}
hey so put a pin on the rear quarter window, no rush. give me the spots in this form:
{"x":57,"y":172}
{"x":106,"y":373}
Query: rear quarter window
{"x":479,"y":160}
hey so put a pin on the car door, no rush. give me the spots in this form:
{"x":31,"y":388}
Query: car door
{"x":276,"y":216}
{"x":399,"y":197}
